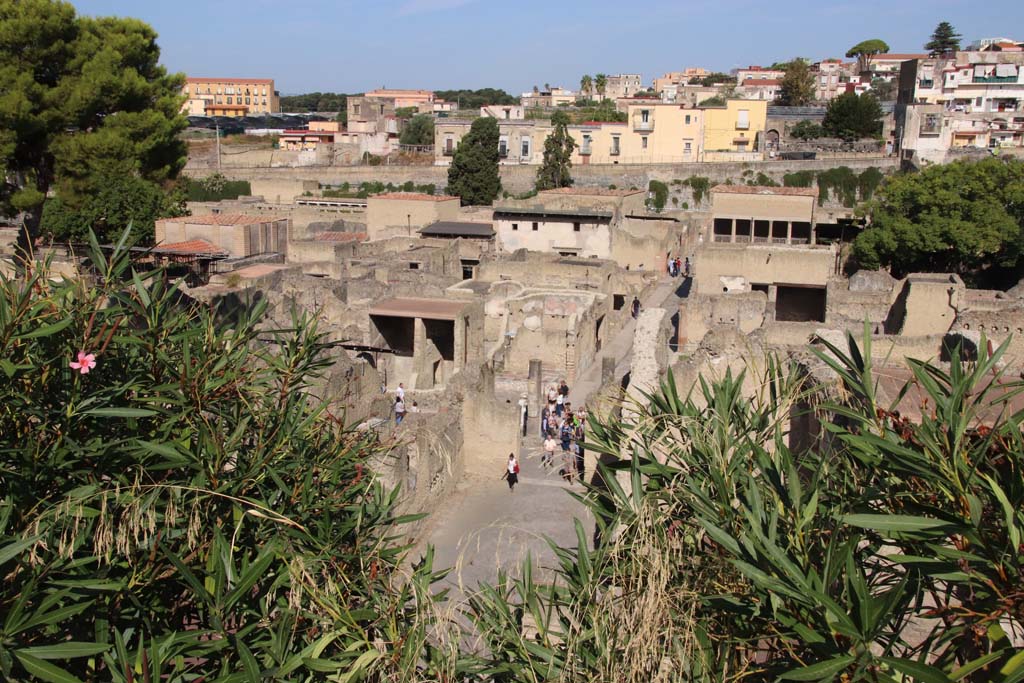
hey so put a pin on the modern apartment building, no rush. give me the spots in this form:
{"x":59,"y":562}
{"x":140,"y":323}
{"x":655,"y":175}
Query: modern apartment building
{"x":230,"y":97}
{"x":968,"y":99}
{"x":734,"y":131}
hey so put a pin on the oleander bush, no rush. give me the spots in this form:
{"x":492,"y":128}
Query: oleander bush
{"x":178,"y":506}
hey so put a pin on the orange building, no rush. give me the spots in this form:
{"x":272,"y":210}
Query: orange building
{"x":230,"y":96}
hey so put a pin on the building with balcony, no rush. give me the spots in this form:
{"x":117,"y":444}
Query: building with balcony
{"x":734,"y":131}
{"x":965,"y":100}
{"x":654,"y":132}
{"x":519,"y":141}
{"x":230,"y":96}
{"x":831,"y":77}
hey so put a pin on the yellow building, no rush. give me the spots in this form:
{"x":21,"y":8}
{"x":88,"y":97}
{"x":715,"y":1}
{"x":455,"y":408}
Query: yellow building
{"x":654,"y":133}
{"x":230,"y":97}
{"x":734,"y":132}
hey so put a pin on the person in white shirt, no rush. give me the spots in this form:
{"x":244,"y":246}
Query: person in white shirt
{"x":400,"y":391}
{"x":512,"y":471}
{"x":550,"y":444}
{"x":399,"y":411}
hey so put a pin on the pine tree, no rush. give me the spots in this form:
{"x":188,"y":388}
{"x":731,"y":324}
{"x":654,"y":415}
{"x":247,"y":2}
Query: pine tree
{"x":85,"y":99}
{"x":473,"y":175}
{"x":945,"y":39}
{"x":851,"y":116}
{"x":555,"y":169}
{"x":797,"y":87}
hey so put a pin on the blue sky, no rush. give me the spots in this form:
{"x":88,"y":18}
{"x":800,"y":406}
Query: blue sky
{"x":347,"y":46}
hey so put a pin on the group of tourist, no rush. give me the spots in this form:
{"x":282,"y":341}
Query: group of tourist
{"x":676,"y":266}
{"x":560,"y":425}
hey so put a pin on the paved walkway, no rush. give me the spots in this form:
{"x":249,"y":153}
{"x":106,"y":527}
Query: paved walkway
{"x":484,"y":527}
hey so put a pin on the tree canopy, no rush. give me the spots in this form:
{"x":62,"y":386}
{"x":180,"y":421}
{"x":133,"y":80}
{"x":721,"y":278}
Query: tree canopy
{"x":85,"y":99}
{"x":418,"y":131}
{"x":944,"y":39}
{"x":473,"y":175}
{"x":474,"y":99}
{"x":851,"y":116}
{"x":715,"y":78}
{"x":586,"y":85}
{"x":963,"y":217}
{"x":555,"y":170}
{"x":797,"y":88}
{"x":865,"y":50}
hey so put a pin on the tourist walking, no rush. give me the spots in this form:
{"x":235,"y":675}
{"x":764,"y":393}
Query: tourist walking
{"x":545,"y":417}
{"x":511,"y":472}
{"x":400,"y":391}
{"x":679,"y":266}
{"x":670,"y":265}
{"x":399,"y":410}
{"x":563,"y":389}
{"x":686,"y":267}
{"x":559,"y":404}
{"x":549,"y":450}
{"x":634,"y":308}
{"x":578,"y":436}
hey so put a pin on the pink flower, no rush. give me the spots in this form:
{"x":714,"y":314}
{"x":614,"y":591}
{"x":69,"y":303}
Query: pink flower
{"x":85,"y":362}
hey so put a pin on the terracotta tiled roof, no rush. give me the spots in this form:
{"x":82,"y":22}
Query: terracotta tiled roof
{"x":415,"y":196}
{"x":591,"y":192}
{"x":222,"y":219}
{"x":761,"y":189}
{"x":190,"y":247}
{"x":341,"y":236}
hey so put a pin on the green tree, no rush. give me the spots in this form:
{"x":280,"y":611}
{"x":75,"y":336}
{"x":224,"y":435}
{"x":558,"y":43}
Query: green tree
{"x":944,"y":40}
{"x":119,"y":202}
{"x":586,"y":86}
{"x":473,"y":175}
{"x":884,"y":90}
{"x":555,"y":170}
{"x":851,"y":116}
{"x":600,"y":84}
{"x":84,"y":99}
{"x":474,"y":99}
{"x":714,"y":101}
{"x":865,"y":50}
{"x":418,"y":131}
{"x":797,"y":87}
{"x":806,"y":130}
{"x":964,"y":217}
{"x":715,"y":78}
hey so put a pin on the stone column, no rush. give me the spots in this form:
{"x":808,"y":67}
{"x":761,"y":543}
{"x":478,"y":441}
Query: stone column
{"x":789,"y":232}
{"x":732,"y":237}
{"x":536,"y":380}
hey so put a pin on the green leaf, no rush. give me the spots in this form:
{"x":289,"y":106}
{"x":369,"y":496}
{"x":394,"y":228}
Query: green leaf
{"x":47,"y":330}
{"x":44,"y":670}
{"x":120,"y":412}
{"x":820,"y":671}
{"x":895,"y":523}
{"x":65,"y":650}
{"x":12,"y":550}
{"x":970,"y":667}
{"x":922,"y":673}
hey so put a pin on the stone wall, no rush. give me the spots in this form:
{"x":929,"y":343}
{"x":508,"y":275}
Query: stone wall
{"x":282,"y":184}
